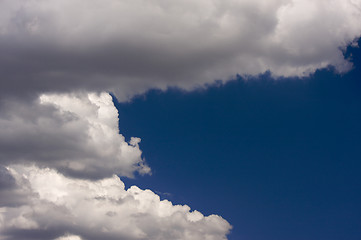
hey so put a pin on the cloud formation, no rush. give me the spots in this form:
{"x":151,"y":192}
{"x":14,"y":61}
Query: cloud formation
{"x":75,"y":133}
{"x":60,"y":153}
{"x":61,"y":146}
{"x":130,"y":46}
{"x":103,"y":209}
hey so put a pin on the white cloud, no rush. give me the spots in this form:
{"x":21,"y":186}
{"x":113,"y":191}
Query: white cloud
{"x":74,"y":133}
{"x":68,"y":237}
{"x":102,"y":209}
{"x":77,"y":135}
{"x":130,"y":46}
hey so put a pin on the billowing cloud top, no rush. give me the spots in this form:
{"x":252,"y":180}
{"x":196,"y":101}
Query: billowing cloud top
{"x":61,"y":208}
{"x":130,"y":46}
{"x":76,"y":134}
{"x":60,"y":154}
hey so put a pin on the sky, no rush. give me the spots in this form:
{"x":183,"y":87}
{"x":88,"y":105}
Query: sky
{"x":278,"y":159}
{"x":183,"y":120}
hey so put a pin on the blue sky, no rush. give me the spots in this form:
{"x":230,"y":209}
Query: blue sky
{"x":279,"y":159}
{"x":180,"y":120}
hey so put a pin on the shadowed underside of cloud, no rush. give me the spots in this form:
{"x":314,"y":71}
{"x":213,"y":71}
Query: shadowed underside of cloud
{"x":130,"y":46}
{"x":74,"y":133}
{"x":57,"y":207}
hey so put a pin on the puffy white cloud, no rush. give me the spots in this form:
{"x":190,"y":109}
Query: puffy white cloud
{"x":130,"y":46}
{"x":61,"y":153}
{"x":102,"y":209}
{"x":77,"y":134}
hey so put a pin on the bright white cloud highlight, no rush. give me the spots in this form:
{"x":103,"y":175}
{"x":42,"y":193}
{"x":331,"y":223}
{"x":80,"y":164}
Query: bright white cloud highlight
{"x":69,"y":237}
{"x":77,"y":134}
{"x":130,"y":46}
{"x":102,"y":209}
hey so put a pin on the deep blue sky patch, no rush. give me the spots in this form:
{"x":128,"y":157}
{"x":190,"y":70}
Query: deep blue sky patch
{"x":279,"y":160}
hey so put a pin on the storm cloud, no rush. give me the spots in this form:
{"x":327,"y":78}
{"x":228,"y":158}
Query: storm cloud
{"x":128,"y":47}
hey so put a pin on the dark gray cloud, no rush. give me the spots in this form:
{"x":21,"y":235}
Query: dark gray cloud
{"x":13,"y":193}
{"x":7,"y":181}
{"x":130,"y":46}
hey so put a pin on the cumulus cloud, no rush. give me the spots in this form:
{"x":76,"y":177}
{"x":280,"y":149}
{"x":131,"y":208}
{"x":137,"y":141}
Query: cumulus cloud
{"x":61,"y":145}
{"x":102,"y":209}
{"x":130,"y":46}
{"x":60,"y":153}
{"x":74,"y":133}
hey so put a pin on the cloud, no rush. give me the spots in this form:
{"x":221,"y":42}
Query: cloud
{"x":129,"y":47}
{"x":103,"y":209}
{"x":10,"y":195}
{"x":61,"y":144}
{"x":69,"y":237}
{"x":75,"y":133}
{"x":60,"y":153}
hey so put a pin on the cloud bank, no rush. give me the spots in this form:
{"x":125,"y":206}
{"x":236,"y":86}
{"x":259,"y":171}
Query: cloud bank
{"x":75,"y":134}
{"x":59,"y":139}
{"x":128,"y":47}
{"x":61,"y":208}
